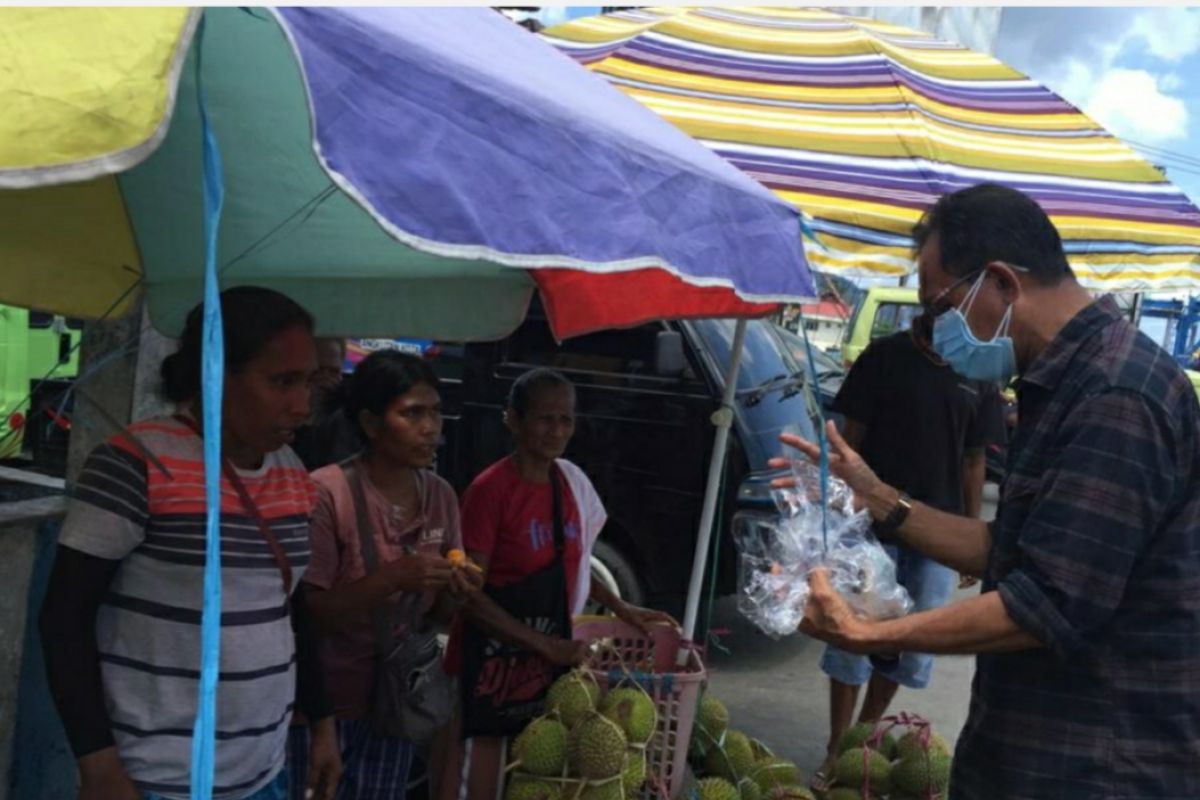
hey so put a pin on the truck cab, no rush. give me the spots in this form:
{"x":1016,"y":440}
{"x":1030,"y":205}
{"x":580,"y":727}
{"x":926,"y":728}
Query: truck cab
{"x":38,"y":358}
{"x":883,"y":311}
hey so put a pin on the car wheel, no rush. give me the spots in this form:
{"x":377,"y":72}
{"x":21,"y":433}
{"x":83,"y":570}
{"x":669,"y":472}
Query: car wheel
{"x":614,"y":570}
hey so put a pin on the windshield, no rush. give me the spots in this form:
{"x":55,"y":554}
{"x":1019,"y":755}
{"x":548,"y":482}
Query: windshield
{"x":795,"y":349}
{"x":762,"y":362}
{"x":892,"y":318}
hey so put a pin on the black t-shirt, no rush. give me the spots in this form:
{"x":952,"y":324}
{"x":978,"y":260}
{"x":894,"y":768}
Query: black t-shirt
{"x":920,"y":419}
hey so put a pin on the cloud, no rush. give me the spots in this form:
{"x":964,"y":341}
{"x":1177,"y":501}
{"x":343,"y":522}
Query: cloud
{"x":1171,"y":33}
{"x":1116,"y":64}
{"x":1131,"y":103}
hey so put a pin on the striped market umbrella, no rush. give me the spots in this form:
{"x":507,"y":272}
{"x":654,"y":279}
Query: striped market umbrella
{"x":863,"y":124}
{"x":415,"y":172}
{"x":395,"y":170}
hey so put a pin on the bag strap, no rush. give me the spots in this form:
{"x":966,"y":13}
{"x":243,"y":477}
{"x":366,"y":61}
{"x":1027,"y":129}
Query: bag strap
{"x":384,"y":638}
{"x":556,"y":503}
{"x":235,"y":480}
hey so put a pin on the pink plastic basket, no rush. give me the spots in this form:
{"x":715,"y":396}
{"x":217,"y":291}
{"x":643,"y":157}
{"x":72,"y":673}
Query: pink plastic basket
{"x":629,"y":656}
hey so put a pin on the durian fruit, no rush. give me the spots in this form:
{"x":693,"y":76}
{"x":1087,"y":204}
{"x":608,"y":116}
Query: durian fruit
{"x":761,"y":751}
{"x":609,"y":790}
{"x":749,"y":790}
{"x":775,"y":772}
{"x":634,"y":711}
{"x":712,"y":716}
{"x":790,"y":793}
{"x":922,"y":774}
{"x":731,"y":760}
{"x":596,"y":748}
{"x":542,"y":747}
{"x":858,"y":735}
{"x":843,"y":793}
{"x":855,"y":765}
{"x":717,"y":789}
{"x":633,"y":775}
{"x":910,"y":744}
{"x":527,"y":789}
{"x":572,"y":697}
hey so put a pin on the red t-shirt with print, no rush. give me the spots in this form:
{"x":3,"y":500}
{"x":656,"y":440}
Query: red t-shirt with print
{"x":510,"y":521}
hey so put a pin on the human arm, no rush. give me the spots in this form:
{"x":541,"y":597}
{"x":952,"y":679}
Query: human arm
{"x":106,"y":521}
{"x":67,"y":624}
{"x":493,"y":620}
{"x":484,"y":507}
{"x":324,"y":759}
{"x":979,"y":624}
{"x":958,"y":542}
{"x":640,"y":618}
{"x":333,"y":605}
{"x":467,"y":577}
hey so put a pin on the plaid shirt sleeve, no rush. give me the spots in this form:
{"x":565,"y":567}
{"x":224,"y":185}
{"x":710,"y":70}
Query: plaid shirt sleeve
{"x":1096,"y":506}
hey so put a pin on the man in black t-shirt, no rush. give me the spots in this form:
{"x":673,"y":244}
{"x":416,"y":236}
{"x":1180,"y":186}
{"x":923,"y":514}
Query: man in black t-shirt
{"x":922,"y":429}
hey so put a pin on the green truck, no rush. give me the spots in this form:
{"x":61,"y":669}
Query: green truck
{"x":882,"y":311}
{"x":33,"y":347}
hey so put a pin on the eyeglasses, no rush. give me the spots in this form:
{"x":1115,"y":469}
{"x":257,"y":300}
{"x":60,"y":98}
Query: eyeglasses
{"x":939,"y":305}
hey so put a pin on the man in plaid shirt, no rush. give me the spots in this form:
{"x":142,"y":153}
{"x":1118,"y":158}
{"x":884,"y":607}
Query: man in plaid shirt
{"x":1087,"y":681}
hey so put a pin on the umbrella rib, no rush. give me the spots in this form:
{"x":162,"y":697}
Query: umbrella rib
{"x":307,"y":209}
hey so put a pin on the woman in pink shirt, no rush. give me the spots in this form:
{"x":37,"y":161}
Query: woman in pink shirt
{"x":413,"y":519}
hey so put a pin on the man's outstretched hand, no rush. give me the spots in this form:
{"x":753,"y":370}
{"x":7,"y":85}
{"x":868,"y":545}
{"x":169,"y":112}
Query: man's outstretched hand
{"x":844,"y":463}
{"x":829,"y":618}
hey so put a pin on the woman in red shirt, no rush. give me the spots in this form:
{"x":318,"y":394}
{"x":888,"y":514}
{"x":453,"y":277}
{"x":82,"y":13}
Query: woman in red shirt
{"x":530,"y":521}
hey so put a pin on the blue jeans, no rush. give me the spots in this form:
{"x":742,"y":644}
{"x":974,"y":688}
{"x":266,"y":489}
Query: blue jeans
{"x":277,"y":789}
{"x":929,"y":584}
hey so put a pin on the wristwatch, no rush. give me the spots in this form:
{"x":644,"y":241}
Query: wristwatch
{"x":887,"y":527}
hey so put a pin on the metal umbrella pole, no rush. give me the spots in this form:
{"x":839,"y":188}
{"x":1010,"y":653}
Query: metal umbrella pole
{"x":723,"y":419}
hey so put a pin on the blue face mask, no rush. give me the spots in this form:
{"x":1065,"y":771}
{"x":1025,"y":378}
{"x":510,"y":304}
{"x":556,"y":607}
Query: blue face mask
{"x":994,"y":361}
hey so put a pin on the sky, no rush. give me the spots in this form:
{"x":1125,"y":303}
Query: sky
{"x":1133,"y":70}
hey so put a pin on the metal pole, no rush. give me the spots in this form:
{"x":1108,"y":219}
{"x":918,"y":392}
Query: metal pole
{"x":723,"y":419}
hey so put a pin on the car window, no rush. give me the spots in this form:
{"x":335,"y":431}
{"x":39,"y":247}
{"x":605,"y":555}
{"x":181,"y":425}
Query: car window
{"x":762,"y":360}
{"x":893,"y":317}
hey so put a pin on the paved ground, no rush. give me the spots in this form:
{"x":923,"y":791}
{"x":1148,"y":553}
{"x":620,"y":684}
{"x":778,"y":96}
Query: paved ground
{"x":776,"y":692}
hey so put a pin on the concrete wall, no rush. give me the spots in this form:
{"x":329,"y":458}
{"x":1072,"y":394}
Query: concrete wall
{"x":35,"y":760}
{"x":28,"y":530}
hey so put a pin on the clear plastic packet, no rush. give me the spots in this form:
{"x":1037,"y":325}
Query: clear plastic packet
{"x":776,"y":555}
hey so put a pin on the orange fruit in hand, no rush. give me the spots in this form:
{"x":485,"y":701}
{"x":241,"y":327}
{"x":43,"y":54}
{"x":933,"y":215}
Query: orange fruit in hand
{"x":458,"y":558}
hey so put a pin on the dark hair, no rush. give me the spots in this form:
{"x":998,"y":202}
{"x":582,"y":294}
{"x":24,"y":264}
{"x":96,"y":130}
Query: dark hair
{"x":380,"y":378}
{"x":524,"y":387}
{"x":251,"y":317}
{"x":990,"y":222}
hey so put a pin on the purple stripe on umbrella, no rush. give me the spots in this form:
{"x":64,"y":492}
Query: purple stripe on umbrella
{"x":488,"y":130}
{"x":872,"y":184}
{"x":977,"y":98}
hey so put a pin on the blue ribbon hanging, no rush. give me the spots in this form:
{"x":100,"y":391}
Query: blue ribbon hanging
{"x":822,"y":438}
{"x":213,"y":378}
